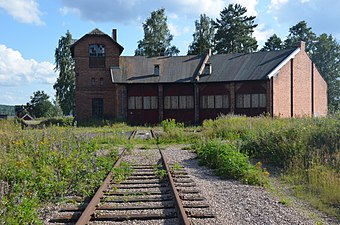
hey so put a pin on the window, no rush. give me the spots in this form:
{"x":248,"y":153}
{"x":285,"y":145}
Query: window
{"x":96,"y":50}
{"x":96,"y":56}
{"x":93,"y":81}
{"x":179,"y":102}
{"x":207,"y":68}
{"x":215,"y":101}
{"x":143,"y":102}
{"x":251,"y":101}
{"x":156,"y":70}
{"x":97,"y":107}
{"x":101,"y":81}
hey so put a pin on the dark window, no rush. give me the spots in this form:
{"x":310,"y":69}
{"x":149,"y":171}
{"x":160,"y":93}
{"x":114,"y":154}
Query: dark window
{"x":215,"y":101}
{"x":97,"y":107}
{"x":93,"y":81}
{"x":143,"y":102}
{"x":96,"y":56}
{"x":156,"y":70}
{"x":179,"y":102}
{"x":101,"y":81}
{"x":251,"y":101}
{"x":207,"y":68}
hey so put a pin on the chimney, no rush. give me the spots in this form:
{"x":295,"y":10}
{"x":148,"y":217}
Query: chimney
{"x":302,"y":46}
{"x":114,"y":34}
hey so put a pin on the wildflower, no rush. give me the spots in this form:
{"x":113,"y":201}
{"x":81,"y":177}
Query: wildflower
{"x":266,"y":173}
{"x":258,"y":165}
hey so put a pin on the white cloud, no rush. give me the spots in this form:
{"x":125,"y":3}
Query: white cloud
{"x":17,"y":71}
{"x":276,"y":4}
{"x":130,"y":11}
{"x":177,"y":31}
{"x":24,"y":11}
{"x":262,"y":33}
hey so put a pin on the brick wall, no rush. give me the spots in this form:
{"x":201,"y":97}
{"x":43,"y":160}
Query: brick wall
{"x":320,"y":94}
{"x":101,"y":86}
{"x":298,"y":89}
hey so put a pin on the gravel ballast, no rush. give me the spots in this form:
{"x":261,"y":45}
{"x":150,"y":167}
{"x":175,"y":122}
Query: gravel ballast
{"x":235,"y":203}
{"x":230,"y":201}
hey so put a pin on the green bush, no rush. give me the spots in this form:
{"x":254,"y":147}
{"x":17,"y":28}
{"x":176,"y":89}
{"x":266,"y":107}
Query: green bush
{"x":230,"y":163}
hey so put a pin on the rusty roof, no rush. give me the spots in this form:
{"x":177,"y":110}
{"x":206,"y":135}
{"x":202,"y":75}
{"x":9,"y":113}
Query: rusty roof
{"x":225,"y":67}
{"x":172,"y":69}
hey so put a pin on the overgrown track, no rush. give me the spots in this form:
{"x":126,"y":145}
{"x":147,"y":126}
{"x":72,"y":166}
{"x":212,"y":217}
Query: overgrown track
{"x":156,"y":191}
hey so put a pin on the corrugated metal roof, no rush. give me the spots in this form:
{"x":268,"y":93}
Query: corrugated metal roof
{"x":140,"y":69}
{"x":243,"y":67}
{"x":230,"y":67}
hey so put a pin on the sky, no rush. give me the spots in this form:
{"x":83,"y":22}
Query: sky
{"x":30,"y":30}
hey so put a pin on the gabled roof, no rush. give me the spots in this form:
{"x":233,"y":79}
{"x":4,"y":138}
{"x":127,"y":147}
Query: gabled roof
{"x":140,"y":69}
{"x":97,"y":32}
{"x":225,"y":67}
{"x":245,"y":67}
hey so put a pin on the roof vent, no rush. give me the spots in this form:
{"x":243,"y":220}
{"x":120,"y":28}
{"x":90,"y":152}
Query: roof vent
{"x":156,"y":70}
{"x":207,"y":69}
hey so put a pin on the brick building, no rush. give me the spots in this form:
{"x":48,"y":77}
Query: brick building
{"x":141,"y":90}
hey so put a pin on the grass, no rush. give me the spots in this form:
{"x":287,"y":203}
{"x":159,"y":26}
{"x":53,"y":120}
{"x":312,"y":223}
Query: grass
{"x":47,"y":164}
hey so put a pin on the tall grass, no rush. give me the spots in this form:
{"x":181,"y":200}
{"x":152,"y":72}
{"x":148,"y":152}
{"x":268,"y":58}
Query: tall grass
{"x":307,"y":149}
{"x":47,"y":165}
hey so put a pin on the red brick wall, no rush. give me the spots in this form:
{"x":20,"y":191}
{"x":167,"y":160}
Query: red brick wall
{"x":300,"y":69}
{"x":281,"y":92}
{"x":302,"y":85}
{"x":85,"y":90}
{"x":320,"y":94}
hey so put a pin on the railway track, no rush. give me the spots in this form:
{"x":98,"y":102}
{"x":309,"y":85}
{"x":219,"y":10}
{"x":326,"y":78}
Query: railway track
{"x":154,"y":190}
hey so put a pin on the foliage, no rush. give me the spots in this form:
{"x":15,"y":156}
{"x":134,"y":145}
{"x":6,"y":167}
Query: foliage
{"x":65,"y":84}
{"x":157,"y":37}
{"x":300,"y":32}
{"x":326,"y":55}
{"x":7,"y":110}
{"x":40,"y":105}
{"x":234,"y":31}
{"x":305,"y":148}
{"x":230,"y":163}
{"x":273,"y":43}
{"x":59,"y":121}
{"x":46,"y":165}
{"x":122,"y":172}
{"x":203,"y":36}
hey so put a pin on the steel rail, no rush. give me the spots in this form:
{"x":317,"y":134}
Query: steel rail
{"x":182,"y":216}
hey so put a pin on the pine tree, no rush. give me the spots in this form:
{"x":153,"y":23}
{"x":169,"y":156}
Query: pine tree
{"x":234,"y":31}
{"x":157,"y":38}
{"x":203,"y":36}
{"x":300,"y":32}
{"x":273,"y":43}
{"x":326,"y":56}
{"x":65,"y":84}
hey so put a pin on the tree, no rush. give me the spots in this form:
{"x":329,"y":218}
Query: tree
{"x":203,"y":36}
{"x":300,"y":32}
{"x":326,"y":56}
{"x":234,"y":31}
{"x":40,"y":104}
{"x":273,"y":43}
{"x":157,"y":38}
{"x":65,"y":84}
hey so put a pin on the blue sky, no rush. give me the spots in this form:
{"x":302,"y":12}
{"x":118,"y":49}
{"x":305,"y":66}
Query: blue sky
{"x":30,"y":30}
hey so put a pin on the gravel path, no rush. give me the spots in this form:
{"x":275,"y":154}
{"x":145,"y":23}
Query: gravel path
{"x":235,"y":203}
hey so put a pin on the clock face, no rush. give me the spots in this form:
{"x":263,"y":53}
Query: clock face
{"x":97,"y":50}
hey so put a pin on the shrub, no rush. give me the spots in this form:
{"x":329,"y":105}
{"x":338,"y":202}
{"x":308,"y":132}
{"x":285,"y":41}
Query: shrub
{"x":230,"y":163}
